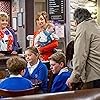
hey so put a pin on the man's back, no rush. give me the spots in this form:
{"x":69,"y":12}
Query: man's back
{"x":88,"y":43}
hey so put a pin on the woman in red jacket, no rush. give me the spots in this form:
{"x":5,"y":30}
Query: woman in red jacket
{"x":47,"y":50}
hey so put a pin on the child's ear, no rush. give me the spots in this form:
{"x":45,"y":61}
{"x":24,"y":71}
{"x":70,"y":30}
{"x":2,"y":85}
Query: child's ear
{"x":22,"y":72}
{"x":62,"y":64}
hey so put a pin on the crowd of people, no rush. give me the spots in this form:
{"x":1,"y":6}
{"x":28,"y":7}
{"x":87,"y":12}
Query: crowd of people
{"x":80,"y":64}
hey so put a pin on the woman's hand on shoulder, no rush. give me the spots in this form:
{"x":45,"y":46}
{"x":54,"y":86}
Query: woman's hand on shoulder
{"x":14,"y":52}
{"x":1,"y":54}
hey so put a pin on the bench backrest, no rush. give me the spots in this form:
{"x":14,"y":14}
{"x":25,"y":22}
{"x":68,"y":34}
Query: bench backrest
{"x":9,"y":93}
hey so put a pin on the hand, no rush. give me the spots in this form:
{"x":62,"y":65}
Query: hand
{"x":69,"y":83}
{"x":1,"y":54}
{"x":14,"y":52}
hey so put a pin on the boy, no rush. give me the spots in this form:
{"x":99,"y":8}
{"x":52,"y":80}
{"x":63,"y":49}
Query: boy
{"x":57,"y":65}
{"x":16,"y":66}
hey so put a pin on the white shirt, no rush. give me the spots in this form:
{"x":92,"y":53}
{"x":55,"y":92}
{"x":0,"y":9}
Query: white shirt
{"x":65,"y":69}
{"x":15,"y":75}
{"x":32,"y":68}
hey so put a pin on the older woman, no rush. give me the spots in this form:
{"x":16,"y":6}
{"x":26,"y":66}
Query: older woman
{"x":8,"y":40}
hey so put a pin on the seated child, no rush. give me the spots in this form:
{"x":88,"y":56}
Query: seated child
{"x":35,"y":68}
{"x":45,"y":36}
{"x":57,"y":65}
{"x":15,"y":81}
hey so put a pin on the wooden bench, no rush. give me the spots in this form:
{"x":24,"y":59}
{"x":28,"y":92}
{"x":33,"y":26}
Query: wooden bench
{"x":88,"y":94}
{"x":9,"y":93}
{"x":50,"y":79}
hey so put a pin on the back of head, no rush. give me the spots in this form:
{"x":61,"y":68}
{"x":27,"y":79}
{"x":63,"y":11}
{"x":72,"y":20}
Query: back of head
{"x":15,"y":65}
{"x":81,"y":14}
{"x":58,"y":57}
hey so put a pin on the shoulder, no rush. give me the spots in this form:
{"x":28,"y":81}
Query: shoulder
{"x":36,"y":33}
{"x":64,"y":75}
{"x":42,"y":65}
{"x":26,"y":80}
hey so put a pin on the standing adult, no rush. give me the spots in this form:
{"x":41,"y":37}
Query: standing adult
{"x":8,"y":39}
{"x":86,"y":59}
{"x":46,"y":50}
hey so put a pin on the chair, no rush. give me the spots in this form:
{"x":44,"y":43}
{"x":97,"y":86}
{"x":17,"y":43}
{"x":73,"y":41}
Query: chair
{"x":2,"y":74}
{"x":10,"y":93}
{"x":50,"y":79}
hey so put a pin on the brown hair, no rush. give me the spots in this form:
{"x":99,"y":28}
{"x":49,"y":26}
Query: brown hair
{"x":15,"y":65}
{"x":33,"y":50}
{"x":58,"y":57}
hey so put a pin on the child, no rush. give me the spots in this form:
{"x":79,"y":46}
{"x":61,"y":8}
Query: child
{"x":57,"y":65}
{"x":45,"y":36}
{"x":16,"y":66}
{"x":35,"y":68}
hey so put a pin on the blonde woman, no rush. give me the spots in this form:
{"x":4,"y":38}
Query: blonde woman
{"x":8,"y":39}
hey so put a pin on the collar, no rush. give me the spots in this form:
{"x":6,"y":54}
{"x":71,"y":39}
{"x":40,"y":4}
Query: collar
{"x":65,"y":69}
{"x":15,"y":75}
{"x":29,"y":66}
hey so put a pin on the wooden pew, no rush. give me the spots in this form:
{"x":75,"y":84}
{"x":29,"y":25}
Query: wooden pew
{"x":88,"y":94}
{"x":50,"y":79}
{"x":9,"y":93}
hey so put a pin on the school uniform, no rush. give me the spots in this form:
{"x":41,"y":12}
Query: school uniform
{"x":38,"y":71}
{"x":15,"y":83}
{"x":59,"y":82}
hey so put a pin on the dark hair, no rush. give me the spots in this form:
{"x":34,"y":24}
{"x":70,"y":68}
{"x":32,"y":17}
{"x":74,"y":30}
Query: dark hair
{"x":15,"y":65}
{"x":70,"y":51}
{"x":81,"y":14}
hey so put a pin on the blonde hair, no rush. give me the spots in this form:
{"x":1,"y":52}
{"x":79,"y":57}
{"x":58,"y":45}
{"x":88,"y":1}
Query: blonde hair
{"x":3,"y":14}
{"x":58,"y":57}
{"x":33,"y":50}
{"x":43,"y":13}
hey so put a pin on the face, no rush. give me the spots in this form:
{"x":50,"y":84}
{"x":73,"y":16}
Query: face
{"x":55,"y":67}
{"x":30,"y":57}
{"x":3,"y":22}
{"x":41,"y":22}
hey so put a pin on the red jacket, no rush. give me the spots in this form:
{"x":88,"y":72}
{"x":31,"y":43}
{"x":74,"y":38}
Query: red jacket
{"x":46,"y":51}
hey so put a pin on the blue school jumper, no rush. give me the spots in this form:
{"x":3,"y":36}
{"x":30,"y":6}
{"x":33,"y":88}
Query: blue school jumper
{"x":59,"y":82}
{"x":40,"y":73}
{"x":16,"y":83}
